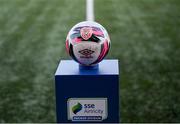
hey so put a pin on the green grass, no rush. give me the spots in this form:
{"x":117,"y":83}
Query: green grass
{"x":145,"y":38}
{"x":32,"y":37}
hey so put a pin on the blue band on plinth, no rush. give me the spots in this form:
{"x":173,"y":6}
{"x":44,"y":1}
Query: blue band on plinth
{"x":82,"y":67}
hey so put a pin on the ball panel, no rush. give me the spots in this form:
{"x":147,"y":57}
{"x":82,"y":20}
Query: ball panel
{"x":87,"y":52}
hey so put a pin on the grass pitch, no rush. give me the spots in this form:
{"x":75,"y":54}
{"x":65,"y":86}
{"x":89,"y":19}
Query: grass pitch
{"x":145,"y":38}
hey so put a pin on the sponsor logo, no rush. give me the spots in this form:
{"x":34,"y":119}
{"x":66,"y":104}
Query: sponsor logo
{"x":76,"y":108}
{"x":86,"y":32}
{"x":86,"y":53}
{"x":87,"y":109}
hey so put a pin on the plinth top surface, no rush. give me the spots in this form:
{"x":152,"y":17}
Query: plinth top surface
{"x":70,"y":67}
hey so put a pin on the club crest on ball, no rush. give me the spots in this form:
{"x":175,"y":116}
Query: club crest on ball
{"x":86,"y":32}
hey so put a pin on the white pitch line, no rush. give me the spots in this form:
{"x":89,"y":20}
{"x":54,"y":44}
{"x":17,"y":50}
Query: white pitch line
{"x":90,"y":10}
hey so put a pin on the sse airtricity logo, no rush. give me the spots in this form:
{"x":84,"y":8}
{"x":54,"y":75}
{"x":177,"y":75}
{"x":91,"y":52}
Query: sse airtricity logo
{"x":77,"y":108}
{"x":87,"y":109}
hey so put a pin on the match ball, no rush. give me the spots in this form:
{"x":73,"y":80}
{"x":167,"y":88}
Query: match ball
{"x":88,"y":43}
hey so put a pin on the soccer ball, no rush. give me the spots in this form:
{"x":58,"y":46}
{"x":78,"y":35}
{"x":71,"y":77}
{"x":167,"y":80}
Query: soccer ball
{"x":88,"y":43}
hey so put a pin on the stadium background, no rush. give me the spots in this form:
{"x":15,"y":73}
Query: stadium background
{"x":145,"y":38}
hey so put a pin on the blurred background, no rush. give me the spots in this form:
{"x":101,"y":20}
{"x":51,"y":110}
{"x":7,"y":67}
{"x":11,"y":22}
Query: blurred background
{"x":145,"y":37}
